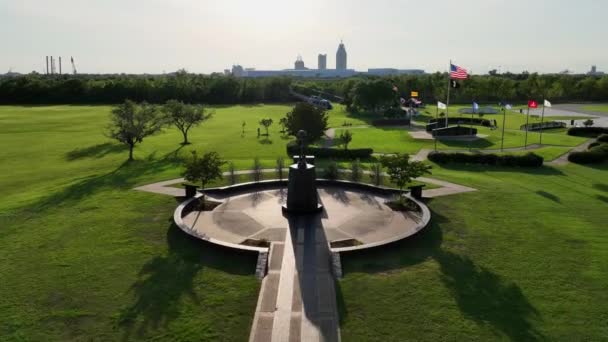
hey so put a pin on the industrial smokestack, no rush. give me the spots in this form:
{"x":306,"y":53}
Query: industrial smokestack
{"x":59,"y":65}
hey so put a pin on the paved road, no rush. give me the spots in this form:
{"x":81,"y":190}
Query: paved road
{"x":571,"y":109}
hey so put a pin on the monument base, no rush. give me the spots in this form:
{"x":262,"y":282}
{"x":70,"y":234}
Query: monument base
{"x":286,"y":210}
{"x":302,"y":196}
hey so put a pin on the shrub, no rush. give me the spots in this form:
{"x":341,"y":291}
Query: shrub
{"x":355,"y":170}
{"x":320,"y":152}
{"x":376,"y":175}
{"x":588,"y":157}
{"x":527,"y":160}
{"x":603,"y":137}
{"x":591,"y":132}
{"x":454,"y":131}
{"x":588,"y":122}
{"x":256,"y":169}
{"x":331,"y":171}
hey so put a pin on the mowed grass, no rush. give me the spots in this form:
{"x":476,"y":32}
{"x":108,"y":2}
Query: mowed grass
{"x":602,"y":108}
{"x":524,"y":258}
{"x":84,"y":257}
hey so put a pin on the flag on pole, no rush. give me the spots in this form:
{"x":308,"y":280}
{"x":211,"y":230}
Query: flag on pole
{"x":395,"y":89}
{"x":454,"y":84}
{"x":475,"y":107}
{"x":508,"y":107}
{"x":532,"y":104}
{"x":441,"y":105}
{"x":414,"y":94}
{"x":458,"y":73}
{"x":547,"y":104}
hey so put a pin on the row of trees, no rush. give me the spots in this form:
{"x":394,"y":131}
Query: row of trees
{"x":364,"y":91}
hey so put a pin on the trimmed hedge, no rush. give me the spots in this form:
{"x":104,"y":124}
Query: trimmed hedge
{"x":321,"y":152}
{"x":603,"y":138}
{"x":545,"y":125}
{"x":391,"y":122}
{"x":591,"y":132}
{"x":597,"y":153}
{"x":527,"y":160}
{"x":454,"y":131}
{"x":439,"y":123}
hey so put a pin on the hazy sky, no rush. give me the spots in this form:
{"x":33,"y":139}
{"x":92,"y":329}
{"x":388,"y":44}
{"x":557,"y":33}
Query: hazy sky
{"x":204,"y":36}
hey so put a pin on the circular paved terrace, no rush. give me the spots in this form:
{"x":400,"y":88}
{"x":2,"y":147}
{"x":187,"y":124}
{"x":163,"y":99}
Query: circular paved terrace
{"x":355,"y":215}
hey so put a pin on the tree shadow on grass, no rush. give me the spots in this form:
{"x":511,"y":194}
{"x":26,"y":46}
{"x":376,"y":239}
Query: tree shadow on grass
{"x":485,"y":298}
{"x":601,"y":187}
{"x":165,"y":281}
{"x":548,"y":195}
{"x":95,"y":151}
{"x":602,"y":198}
{"x":125,"y":176}
{"x":481,"y":295}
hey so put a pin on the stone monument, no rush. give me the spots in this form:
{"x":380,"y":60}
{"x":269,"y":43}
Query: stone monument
{"x":302,"y":197}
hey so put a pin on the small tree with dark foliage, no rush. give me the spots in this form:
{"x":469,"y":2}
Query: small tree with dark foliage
{"x":309,"y":118}
{"x":130,"y":123}
{"x":345,"y":138}
{"x":203,"y":169}
{"x":266,"y":123}
{"x":401,"y":170}
{"x":184,"y":116}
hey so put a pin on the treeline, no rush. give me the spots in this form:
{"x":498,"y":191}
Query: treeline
{"x":220,"y":89}
{"x":482,"y":89}
{"x":110,"y":89}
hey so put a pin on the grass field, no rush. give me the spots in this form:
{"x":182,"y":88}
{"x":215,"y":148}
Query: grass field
{"x":522,"y":259}
{"x":83,"y":257}
{"x":602,"y":108}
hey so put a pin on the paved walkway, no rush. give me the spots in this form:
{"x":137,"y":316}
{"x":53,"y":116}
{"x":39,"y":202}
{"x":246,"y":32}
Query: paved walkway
{"x":563,"y":159}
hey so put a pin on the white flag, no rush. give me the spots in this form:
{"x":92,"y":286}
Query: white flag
{"x":508,"y":107}
{"x":547,"y":104}
{"x":441,"y":105}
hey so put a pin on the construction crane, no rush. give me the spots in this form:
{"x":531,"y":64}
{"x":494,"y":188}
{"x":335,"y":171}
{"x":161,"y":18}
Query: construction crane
{"x":73,"y":66}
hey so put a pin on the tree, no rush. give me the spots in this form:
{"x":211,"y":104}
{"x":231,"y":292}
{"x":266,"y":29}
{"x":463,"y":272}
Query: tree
{"x":345,"y":138}
{"x":184,"y":116}
{"x":401,"y":170}
{"x":131,"y":123}
{"x":373,"y":95}
{"x":283,"y":124}
{"x":305,"y":116}
{"x":203,"y":169}
{"x":266,"y":123}
{"x":588,"y":122}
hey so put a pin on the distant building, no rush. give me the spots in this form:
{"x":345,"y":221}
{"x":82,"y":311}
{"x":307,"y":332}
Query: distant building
{"x":299,"y":64}
{"x":341,"y":57}
{"x":322,"y":64}
{"x":237,"y":71}
{"x":594,"y":71}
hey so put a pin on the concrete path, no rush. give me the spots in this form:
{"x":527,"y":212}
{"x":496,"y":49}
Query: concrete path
{"x":563,"y":159}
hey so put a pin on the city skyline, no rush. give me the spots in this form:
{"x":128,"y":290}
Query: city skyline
{"x":205,"y":37}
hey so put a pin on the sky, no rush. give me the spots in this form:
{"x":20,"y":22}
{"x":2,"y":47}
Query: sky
{"x":204,"y":36}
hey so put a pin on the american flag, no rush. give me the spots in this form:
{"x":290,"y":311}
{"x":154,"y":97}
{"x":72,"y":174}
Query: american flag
{"x":457,"y":73}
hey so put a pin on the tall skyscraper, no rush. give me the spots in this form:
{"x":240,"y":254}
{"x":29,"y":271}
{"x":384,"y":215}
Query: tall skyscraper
{"x":322,"y":65}
{"x":341,"y":57}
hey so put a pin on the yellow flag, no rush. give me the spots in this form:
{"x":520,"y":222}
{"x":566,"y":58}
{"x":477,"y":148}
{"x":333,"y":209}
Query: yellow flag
{"x":414,"y":94}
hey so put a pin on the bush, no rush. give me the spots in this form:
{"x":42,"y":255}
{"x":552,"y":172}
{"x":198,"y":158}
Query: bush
{"x":588,"y":157}
{"x":454,"y":131}
{"x":439,"y":123}
{"x":527,"y":160}
{"x":320,"y":152}
{"x":355,"y":170}
{"x":603,"y":138}
{"x":545,"y":125}
{"x":591,"y":132}
{"x":331,"y":171}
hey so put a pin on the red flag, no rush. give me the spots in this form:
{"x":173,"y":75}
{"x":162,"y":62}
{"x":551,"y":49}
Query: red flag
{"x":532,"y":104}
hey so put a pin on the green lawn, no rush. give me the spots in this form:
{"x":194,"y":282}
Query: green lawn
{"x":524,"y":258}
{"x":603,"y":108}
{"x":84,"y":257}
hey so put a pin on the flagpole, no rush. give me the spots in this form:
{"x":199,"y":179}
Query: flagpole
{"x":471,"y":129}
{"x":447,"y":106}
{"x":527,"y":120}
{"x":542,"y":119}
{"x":504,"y":116}
{"x":437,"y":121}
